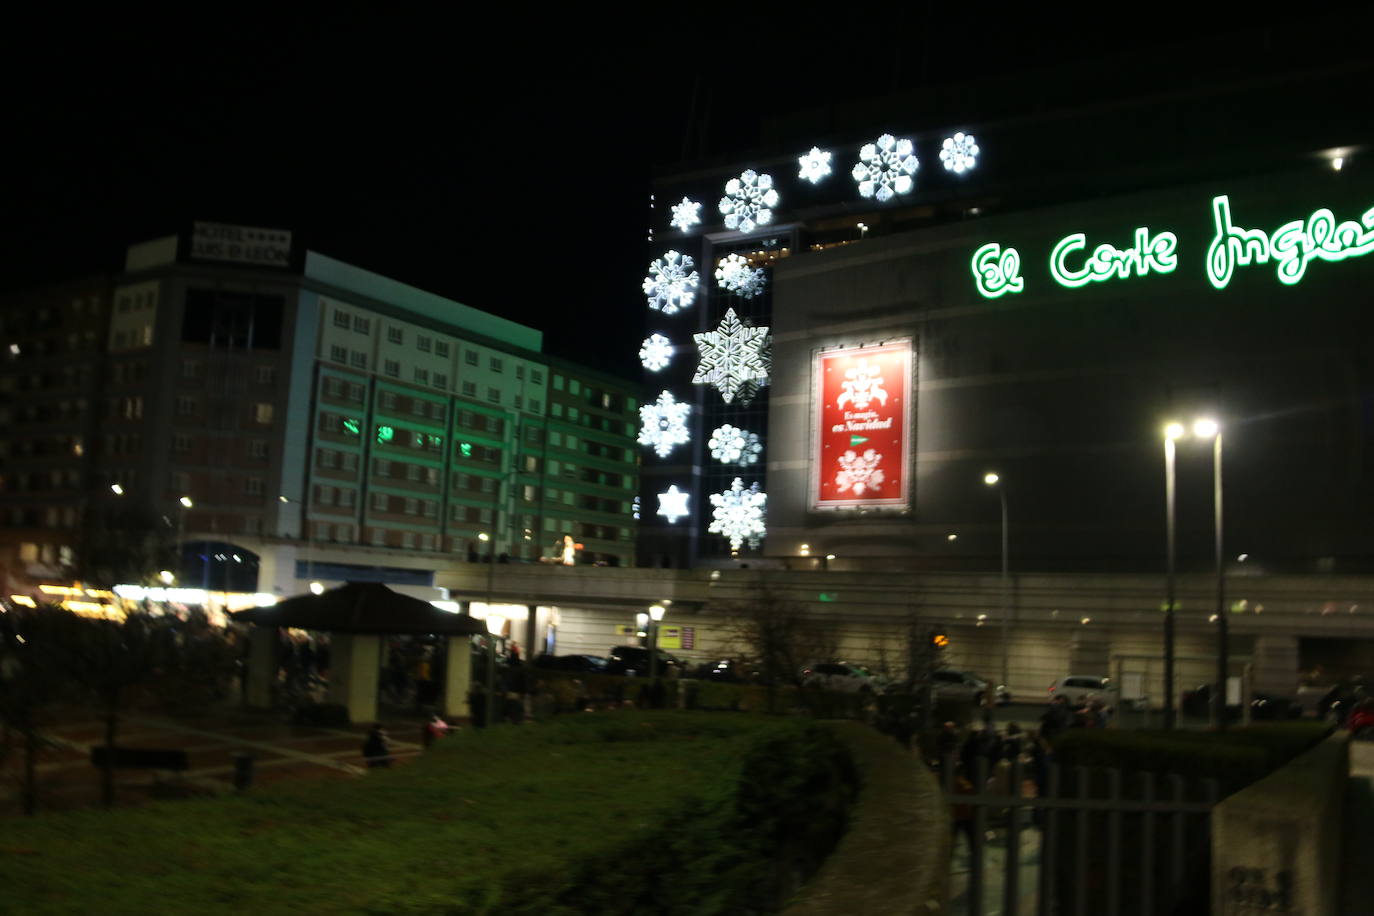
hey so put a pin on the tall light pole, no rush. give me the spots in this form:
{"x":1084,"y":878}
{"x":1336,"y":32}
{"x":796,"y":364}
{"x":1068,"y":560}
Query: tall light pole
{"x":994,"y":480}
{"x":1172,"y":432}
{"x":186,"y":504}
{"x":309,"y":527}
{"x":1210,"y":429}
{"x":495,"y":624}
{"x":655,"y":615}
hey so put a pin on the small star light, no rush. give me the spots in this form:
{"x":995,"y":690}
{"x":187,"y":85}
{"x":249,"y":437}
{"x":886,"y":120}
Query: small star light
{"x":686,"y":215}
{"x":656,"y":352}
{"x":672,"y":504}
{"x":814,"y":166}
{"x":959,"y":153}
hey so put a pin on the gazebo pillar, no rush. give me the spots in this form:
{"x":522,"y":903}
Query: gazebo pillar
{"x":355,"y":660}
{"x":263,"y":647}
{"x":457,"y":678}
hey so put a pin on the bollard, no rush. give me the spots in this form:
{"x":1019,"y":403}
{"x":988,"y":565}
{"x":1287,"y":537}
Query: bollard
{"x":243,"y":770}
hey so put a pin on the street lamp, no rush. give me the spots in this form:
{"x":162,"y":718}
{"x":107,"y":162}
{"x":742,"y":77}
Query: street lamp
{"x":116,"y":489}
{"x":655,"y":615}
{"x":316,"y":588}
{"x":495,"y":624}
{"x":1172,"y":433}
{"x":994,"y":480}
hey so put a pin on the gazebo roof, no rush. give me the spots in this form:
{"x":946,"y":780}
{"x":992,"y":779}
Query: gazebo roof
{"x":361,"y":607}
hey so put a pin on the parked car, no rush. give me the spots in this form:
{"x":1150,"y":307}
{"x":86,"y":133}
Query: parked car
{"x":1263,"y":706}
{"x":949,"y":682}
{"x":634,"y":661}
{"x":727,"y":671}
{"x":1078,"y":687}
{"x":843,"y":676}
{"x":591,"y":664}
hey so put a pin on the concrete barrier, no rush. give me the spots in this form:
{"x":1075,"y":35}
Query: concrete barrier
{"x":894,"y":857}
{"x":1276,"y":845}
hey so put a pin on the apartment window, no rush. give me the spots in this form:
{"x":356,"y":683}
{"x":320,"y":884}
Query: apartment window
{"x":358,"y":360}
{"x":324,"y":496}
{"x":496,"y":365}
{"x":441,"y":380}
{"x":333,"y":387}
{"x":557,"y":382}
{"x":492,"y":424}
{"x":341,"y":319}
{"x":395,"y":335}
{"x":378,"y":537}
{"x":536,"y":405}
{"x":338,"y":354}
{"x":265,"y":375}
{"x":362,"y":325}
{"x":412,"y":472}
{"x":470,"y":357}
{"x":262,"y":413}
{"x":181,"y":443}
{"x":355,"y":392}
{"x":470,"y":389}
{"x":392,"y":368}
{"x":186,"y":405}
{"x":412,"y":506}
{"x":422,"y":376}
{"x":441,"y":348}
{"x":253,"y":486}
{"x":350,"y":461}
{"x":329,"y":422}
{"x":347,"y":498}
{"x":380,"y":502}
{"x":488,"y":485}
{"x":530,"y":493}
{"x":430,"y":508}
{"x":494,"y":395}
{"x":422,"y":343}
{"x":381,"y":467}
{"x":519,"y":402}
{"x":426,"y":542}
{"x":408,"y":540}
{"x":432,"y":475}
{"x":418,"y":407}
{"x":556,"y":409}
{"x":329,"y":458}
{"x":257,"y":448}
{"x":573,"y":413}
{"x":574,"y":386}
{"x":536,"y":376}
{"x":519,"y":370}
{"x":556,"y":439}
{"x":388,"y":400}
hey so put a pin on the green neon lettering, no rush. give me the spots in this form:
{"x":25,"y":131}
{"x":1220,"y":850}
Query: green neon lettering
{"x":1107,"y":262}
{"x":465,"y":449}
{"x":351,"y":427}
{"x":1292,"y":246}
{"x":385,"y":433}
{"x":997,"y":272}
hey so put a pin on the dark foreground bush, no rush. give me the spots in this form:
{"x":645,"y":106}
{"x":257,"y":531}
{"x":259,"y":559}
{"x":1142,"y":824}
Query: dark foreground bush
{"x":616,"y":813}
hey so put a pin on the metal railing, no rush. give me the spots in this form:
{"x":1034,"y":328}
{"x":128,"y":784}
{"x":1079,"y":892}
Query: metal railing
{"x":1154,"y":836}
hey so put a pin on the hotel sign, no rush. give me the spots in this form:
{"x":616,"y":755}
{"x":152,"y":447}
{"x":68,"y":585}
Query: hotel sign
{"x":1291,"y":248}
{"x":241,"y":244}
{"x":861,"y":441}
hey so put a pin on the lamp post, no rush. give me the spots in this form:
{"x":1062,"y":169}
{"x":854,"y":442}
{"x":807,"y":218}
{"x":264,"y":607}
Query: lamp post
{"x":495,"y":624}
{"x":316,"y":588}
{"x":993,"y":479}
{"x":655,"y":615}
{"x":1172,"y":432}
{"x":1210,"y":429}
{"x":186,"y":504}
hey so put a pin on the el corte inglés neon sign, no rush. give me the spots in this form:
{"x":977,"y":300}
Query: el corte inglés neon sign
{"x":1292,"y":247}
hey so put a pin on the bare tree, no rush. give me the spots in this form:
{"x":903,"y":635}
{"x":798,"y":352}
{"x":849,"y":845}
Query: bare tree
{"x":31,"y":685}
{"x":776,"y":637}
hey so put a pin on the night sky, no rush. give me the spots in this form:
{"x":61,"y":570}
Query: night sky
{"x":504,"y":162}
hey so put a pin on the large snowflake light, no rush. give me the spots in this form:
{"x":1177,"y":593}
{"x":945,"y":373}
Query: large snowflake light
{"x":738,"y":514}
{"x":656,"y":352}
{"x":663,"y":424}
{"x":672,"y":504}
{"x":860,"y":472}
{"x":813,"y":166}
{"x":749,"y":201}
{"x":731,"y":445}
{"x":732,"y":356}
{"x":862,"y":384}
{"x":885,"y":168}
{"x":685,"y":215}
{"x":959,"y":153}
{"x":671,"y":284}
{"x":735,"y":274}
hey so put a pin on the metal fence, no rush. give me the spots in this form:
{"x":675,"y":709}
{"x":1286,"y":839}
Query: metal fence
{"x":1109,"y":846}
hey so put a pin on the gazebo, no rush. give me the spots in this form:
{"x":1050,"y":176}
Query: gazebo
{"x":357,"y":615}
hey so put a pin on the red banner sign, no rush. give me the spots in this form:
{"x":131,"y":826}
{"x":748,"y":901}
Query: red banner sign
{"x":862,"y":449}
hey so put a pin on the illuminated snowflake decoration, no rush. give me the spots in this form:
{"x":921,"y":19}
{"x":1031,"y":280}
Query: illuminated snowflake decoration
{"x":749,"y":201}
{"x":686,"y":215}
{"x":813,"y":166}
{"x":732,"y":356}
{"x":634,"y":511}
{"x":862,"y":384}
{"x":738,"y":514}
{"x":735,"y":274}
{"x":860,"y":472}
{"x":731,"y":445}
{"x":663,"y":424}
{"x":656,"y":352}
{"x":959,"y":153}
{"x":885,"y":168}
{"x":671,"y":284}
{"x":672,"y":504}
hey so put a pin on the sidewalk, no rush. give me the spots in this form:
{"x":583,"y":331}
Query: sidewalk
{"x":1359,"y":831}
{"x":67,"y":779}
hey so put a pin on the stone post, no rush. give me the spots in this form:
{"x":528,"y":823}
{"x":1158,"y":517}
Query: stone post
{"x":355,"y":661}
{"x":263,"y":645}
{"x":458,"y":678}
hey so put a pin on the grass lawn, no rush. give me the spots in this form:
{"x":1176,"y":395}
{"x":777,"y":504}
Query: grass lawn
{"x":479,"y":813}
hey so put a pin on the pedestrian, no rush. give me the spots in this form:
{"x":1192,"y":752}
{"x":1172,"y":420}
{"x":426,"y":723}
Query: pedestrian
{"x":961,"y":815}
{"x":1057,"y":718}
{"x":946,"y":743}
{"x":435,"y":729}
{"x":376,"y":751}
{"x":513,"y":654}
{"x":1011,"y":742}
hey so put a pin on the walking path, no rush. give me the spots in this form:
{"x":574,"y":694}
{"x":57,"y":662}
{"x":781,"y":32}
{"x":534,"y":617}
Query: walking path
{"x":67,"y":779}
